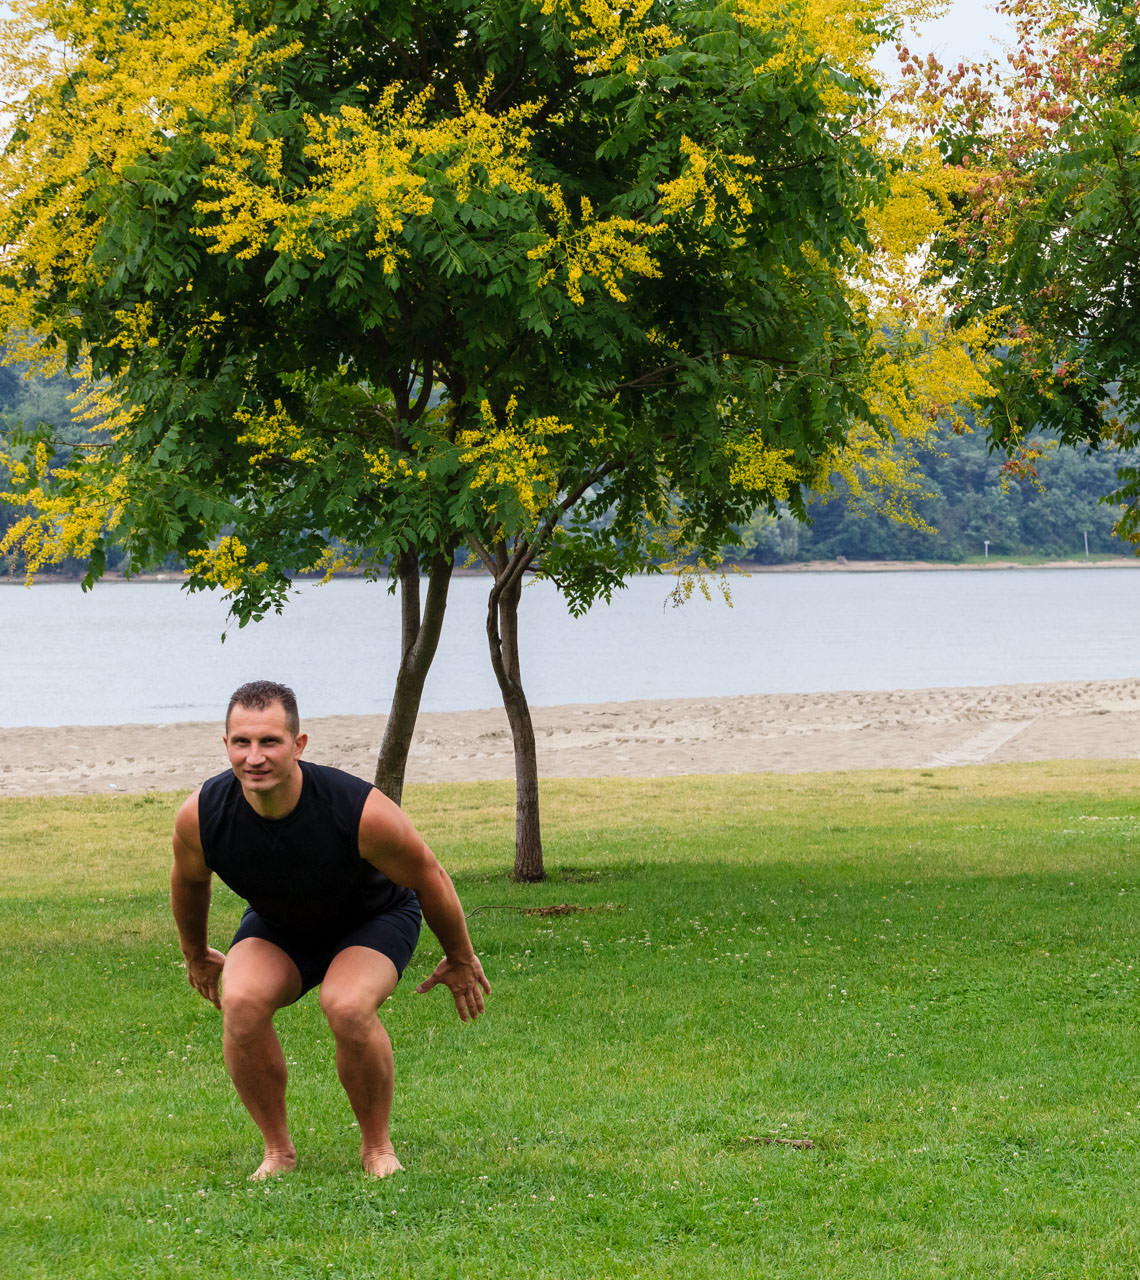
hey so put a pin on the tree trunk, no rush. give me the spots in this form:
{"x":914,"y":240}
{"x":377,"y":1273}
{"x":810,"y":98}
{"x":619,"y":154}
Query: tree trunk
{"x":418,"y":643}
{"x":503,"y":637}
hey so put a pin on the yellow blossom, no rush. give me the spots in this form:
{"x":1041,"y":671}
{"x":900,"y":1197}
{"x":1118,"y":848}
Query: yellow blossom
{"x":762,"y":469}
{"x":331,"y":561}
{"x":512,"y":457}
{"x":717,"y":184}
{"x":602,"y":249}
{"x":59,"y":524}
{"x":273,"y":435}
{"x":127,"y":92}
{"x":607,"y":34}
{"x":226,"y":565}
{"x":380,"y":465}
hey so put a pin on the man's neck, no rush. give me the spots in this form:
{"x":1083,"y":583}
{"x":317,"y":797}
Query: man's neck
{"x":282,"y":800}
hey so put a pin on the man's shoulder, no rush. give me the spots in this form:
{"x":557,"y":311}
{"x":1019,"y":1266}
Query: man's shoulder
{"x":335,"y":787}
{"x":333,"y":777}
{"x":226,"y":775}
{"x":213,"y":800}
{"x":186,"y":820}
{"x":214,"y":788}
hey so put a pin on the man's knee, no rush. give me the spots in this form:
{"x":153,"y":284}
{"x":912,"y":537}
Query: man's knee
{"x":257,"y":980}
{"x":245,"y":1012}
{"x":351,"y":1019}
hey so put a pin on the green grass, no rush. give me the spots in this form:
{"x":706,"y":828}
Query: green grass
{"x":932,"y":977}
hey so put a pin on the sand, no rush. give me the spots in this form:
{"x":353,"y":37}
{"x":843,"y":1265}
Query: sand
{"x":758,"y":733}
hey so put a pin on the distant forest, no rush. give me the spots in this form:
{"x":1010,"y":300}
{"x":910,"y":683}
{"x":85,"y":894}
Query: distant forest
{"x":967,"y":506}
{"x":965,"y":502}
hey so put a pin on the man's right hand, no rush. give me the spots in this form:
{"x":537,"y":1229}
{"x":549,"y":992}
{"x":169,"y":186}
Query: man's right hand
{"x":204,"y":973}
{"x":466,"y":981}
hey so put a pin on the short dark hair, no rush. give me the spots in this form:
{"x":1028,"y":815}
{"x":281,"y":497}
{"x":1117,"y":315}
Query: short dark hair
{"x":257,"y":695}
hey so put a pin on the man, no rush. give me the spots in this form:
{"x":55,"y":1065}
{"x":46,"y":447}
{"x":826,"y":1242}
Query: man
{"x":336,"y":877}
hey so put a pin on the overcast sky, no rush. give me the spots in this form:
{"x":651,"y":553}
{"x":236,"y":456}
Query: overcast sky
{"x":971,"y":29}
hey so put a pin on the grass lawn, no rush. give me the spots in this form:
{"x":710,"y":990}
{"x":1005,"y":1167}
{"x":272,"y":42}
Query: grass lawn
{"x":861,"y":1025}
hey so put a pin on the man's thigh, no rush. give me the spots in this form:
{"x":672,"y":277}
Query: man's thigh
{"x":359,"y":978}
{"x":259,"y":972}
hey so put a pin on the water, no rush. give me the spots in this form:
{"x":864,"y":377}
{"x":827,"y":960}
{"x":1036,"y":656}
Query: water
{"x":150,"y":653}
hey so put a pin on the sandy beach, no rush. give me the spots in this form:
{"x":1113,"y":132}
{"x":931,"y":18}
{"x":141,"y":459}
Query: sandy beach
{"x":758,"y":733}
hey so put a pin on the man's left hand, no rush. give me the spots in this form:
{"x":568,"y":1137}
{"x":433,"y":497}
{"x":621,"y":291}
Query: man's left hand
{"x":466,"y":981}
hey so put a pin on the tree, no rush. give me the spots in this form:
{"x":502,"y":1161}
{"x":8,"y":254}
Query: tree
{"x":29,"y":403}
{"x":555,"y":281}
{"x":1049,"y":227}
{"x":969,"y":498}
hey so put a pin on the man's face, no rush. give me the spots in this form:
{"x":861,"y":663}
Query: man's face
{"x":262,"y":750}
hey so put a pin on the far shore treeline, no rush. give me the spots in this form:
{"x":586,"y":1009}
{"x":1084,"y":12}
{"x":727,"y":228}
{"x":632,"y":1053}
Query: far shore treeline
{"x":967,"y":501}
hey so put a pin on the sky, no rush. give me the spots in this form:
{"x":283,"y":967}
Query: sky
{"x":971,"y":29}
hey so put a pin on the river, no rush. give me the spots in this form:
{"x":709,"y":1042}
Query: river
{"x":146,"y":652}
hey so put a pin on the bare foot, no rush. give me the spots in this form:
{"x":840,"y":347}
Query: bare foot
{"x":275,"y":1162}
{"x":379,"y":1162}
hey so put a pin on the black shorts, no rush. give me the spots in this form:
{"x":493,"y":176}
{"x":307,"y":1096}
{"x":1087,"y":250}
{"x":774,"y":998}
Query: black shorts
{"x":393,"y":933}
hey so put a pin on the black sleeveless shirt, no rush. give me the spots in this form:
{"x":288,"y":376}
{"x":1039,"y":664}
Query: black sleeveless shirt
{"x":305,"y":868}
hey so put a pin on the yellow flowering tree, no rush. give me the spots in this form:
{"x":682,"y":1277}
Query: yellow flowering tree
{"x":1046,"y":232}
{"x":555,"y":281}
{"x":1038,"y":244}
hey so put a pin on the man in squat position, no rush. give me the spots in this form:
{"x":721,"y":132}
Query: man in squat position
{"x":335,"y":876}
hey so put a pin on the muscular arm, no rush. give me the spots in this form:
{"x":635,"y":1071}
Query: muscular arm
{"x":190,"y":903}
{"x":391,"y":843}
